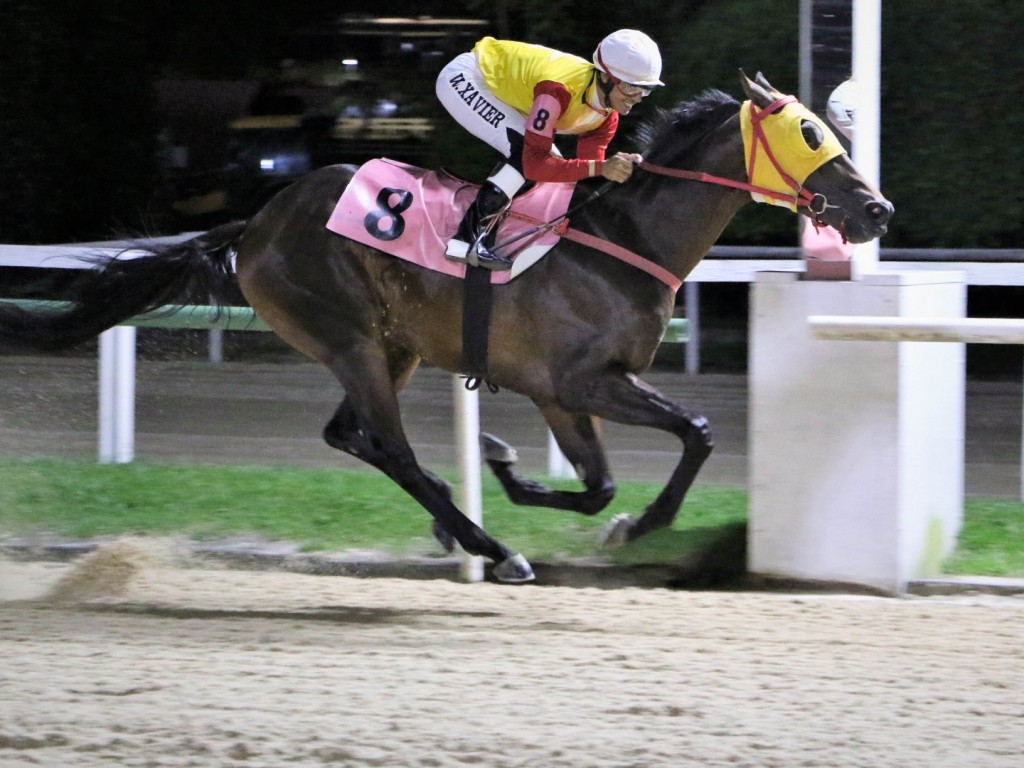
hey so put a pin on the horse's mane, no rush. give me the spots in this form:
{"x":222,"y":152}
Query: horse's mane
{"x":674,"y":131}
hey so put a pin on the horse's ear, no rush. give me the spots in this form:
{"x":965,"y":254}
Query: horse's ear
{"x":758,"y":90}
{"x":763,"y":82}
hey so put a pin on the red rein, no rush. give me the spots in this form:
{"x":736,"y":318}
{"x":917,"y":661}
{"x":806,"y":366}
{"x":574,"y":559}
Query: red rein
{"x":802,"y":196}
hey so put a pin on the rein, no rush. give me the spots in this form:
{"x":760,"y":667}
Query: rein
{"x":815,"y":203}
{"x":560,"y":226}
{"x":803,"y":197}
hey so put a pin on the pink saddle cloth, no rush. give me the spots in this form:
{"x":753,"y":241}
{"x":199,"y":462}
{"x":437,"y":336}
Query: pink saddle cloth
{"x":411,"y":213}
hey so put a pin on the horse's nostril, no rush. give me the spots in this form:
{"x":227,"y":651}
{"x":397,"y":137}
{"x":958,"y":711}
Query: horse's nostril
{"x":879,"y":210}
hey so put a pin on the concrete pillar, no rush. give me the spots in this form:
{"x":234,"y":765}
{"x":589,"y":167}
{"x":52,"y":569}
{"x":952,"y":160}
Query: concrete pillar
{"x":856,"y":447}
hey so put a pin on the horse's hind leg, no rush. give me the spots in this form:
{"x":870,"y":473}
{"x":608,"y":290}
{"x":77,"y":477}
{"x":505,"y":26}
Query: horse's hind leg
{"x":368,"y":425}
{"x":342,"y":432}
{"x":578,"y":437}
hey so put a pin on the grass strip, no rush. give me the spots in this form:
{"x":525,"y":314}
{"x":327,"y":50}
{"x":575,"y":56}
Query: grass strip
{"x":339,"y":509}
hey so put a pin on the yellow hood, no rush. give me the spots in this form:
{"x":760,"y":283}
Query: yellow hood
{"x":786,"y":144}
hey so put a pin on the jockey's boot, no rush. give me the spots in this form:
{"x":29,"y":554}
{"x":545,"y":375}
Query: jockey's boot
{"x":473,"y":242}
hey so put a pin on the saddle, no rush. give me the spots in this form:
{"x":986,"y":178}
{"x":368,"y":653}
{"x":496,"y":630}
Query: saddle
{"x":411,"y":213}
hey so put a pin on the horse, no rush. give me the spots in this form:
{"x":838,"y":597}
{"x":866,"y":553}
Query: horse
{"x":573,"y":332}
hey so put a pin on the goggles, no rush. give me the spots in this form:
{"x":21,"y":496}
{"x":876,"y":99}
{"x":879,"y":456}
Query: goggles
{"x":631,"y":90}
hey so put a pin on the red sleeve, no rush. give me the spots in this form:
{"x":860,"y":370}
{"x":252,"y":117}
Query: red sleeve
{"x":593,"y":145}
{"x":549,"y":101}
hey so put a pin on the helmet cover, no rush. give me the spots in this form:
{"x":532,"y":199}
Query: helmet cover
{"x":630,"y":56}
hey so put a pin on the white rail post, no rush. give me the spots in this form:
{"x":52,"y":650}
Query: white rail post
{"x":865,"y":150}
{"x":215,"y":345}
{"x":558,"y":464}
{"x":691,"y":290}
{"x":467,"y":442}
{"x":117,"y":395}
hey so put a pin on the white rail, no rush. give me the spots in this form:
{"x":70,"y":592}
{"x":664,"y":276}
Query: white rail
{"x":967,"y":330}
{"x":957,"y":330}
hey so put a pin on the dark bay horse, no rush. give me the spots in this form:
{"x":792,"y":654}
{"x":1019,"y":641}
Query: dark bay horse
{"x":572,"y":333}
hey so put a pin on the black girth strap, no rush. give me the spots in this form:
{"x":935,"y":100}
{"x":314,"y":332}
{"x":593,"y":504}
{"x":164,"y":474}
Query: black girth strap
{"x":476,"y":325}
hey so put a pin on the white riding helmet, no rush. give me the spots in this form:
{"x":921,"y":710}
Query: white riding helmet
{"x":631,"y":56}
{"x":841,"y":107}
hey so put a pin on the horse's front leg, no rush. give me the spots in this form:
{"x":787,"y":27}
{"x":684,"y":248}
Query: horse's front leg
{"x":580,"y":441}
{"x":624,"y":398}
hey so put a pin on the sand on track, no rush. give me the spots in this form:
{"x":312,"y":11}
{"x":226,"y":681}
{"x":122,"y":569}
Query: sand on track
{"x":137,"y":656}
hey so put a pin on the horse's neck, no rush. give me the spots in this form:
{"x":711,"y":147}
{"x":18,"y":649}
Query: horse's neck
{"x":675,"y":222}
{"x":691,"y":216}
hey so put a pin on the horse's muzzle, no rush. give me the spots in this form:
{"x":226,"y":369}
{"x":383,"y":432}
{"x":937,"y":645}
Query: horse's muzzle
{"x":872,"y":224}
{"x":879,"y":211}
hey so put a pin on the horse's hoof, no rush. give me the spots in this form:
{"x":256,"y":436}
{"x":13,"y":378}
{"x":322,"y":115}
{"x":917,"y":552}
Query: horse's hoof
{"x":444,"y":538}
{"x":514,"y":570}
{"x":497,"y":450}
{"x":616,"y":531}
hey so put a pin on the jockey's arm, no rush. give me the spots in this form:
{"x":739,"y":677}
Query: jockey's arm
{"x":539,"y":164}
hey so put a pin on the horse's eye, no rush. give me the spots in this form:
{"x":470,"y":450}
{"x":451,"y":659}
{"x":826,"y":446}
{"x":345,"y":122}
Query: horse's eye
{"x":812,"y":133}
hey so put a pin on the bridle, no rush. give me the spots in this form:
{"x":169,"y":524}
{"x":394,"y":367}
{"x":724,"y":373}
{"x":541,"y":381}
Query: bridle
{"x":816,"y":203}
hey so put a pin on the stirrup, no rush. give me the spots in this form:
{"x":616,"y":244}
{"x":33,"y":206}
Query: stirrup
{"x":487,"y":260}
{"x":475,"y":256}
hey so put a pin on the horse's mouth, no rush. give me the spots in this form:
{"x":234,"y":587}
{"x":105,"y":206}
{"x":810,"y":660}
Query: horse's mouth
{"x":860,"y":233}
{"x":873,"y":222}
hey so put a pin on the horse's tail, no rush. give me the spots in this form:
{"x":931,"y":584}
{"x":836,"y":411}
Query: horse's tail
{"x":130,"y":283}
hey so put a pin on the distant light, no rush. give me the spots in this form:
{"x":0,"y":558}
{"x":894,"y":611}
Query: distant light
{"x":350,"y":62}
{"x":266,"y":164}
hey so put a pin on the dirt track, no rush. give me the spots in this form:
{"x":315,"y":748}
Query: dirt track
{"x":140,"y":656}
{"x":130,"y":659}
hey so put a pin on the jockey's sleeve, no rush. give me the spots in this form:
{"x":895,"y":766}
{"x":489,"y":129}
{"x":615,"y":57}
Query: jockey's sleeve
{"x":549,"y":102}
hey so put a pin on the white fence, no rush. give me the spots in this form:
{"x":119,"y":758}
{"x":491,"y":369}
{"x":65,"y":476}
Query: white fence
{"x":729,"y":264}
{"x":966,"y":330}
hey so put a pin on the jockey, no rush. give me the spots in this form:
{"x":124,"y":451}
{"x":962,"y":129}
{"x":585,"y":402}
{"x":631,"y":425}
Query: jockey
{"x":517,"y":96}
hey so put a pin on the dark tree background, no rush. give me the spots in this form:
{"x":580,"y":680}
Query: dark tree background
{"x":79,"y":126}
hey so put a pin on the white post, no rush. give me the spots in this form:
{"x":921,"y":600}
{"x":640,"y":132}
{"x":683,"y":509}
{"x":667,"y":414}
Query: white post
{"x":215,"y":345}
{"x":867,"y":67}
{"x":804,"y":34}
{"x":558,"y":465}
{"x":467,"y":441}
{"x":691,"y":290}
{"x":117,"y":395}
